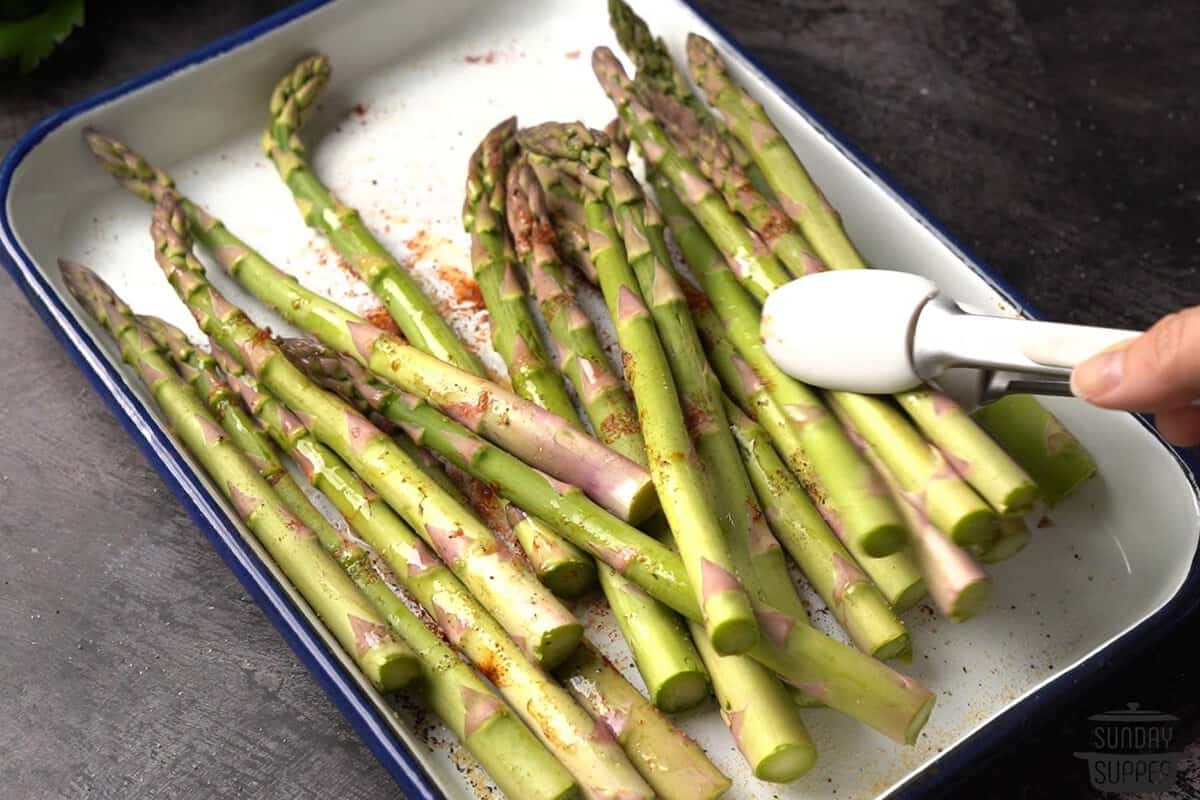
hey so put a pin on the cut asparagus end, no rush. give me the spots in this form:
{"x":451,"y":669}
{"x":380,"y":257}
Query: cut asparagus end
{"x":733,"y":635}
{"x":1019,"y":500}
{"x":970,"y":600}
{"x":390,"y":671}
{"x":884,"y":539}
{"x":1011,"y":539}
{"x":909,"y":596}
{"x":786,"y":764}
{"x":558,"y":643}
{"x":643,"y":504}
{"x":895,"y":647}
{"x":569,"y":578}
{"x":977,"y":527}
{"x":682,"y":691}
{"x":919,"y":719}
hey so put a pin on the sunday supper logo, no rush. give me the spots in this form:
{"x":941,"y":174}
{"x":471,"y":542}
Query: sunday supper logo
{"x":1132,"y":750}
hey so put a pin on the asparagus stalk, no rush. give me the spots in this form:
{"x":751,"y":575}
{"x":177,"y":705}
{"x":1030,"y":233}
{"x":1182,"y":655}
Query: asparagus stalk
{"x":1049,"y":452}
{"x":1011,"y":538}
{"x":678,"y":475}
{"x":821,"y":453}
{"x":958,"y":586}
{"x":656,"y":69}
{"x":970,"y":451}
{"x":748,"y":121}
{"x":561,"y":724}
{"x":896,"y":576}
{"x":854,"y":600}
{"x":759,"y":270}
{"x":761,"y":716}
{"x":607,"y":403}
{"x":671,"y":763}
{"x":519,"y":764}
{"x":919,"y":467}
{"x":416,"y":315}
{"x":529,"y":432}
{"x":566,"y":215}
{"x":612,"y":541}
{"x":514,"y":334}
{"x":665,"y":655}
{"x":712,"y":155}
{"x":387,"y":662}
{"x":522,"y":605}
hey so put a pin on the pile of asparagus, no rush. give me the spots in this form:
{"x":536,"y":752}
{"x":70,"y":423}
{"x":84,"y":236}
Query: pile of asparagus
{"x":678,"y":479}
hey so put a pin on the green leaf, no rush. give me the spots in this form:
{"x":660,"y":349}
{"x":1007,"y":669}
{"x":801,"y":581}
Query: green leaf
{"x":30,"y":40}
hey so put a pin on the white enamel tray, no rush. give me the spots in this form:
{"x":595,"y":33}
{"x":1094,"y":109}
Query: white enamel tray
{"x":416,"y":85}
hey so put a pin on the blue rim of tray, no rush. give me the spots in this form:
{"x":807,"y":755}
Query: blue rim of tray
{"x":368,"y":721}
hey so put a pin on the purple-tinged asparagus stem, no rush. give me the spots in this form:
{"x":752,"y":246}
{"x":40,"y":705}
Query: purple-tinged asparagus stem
{"x":529,"y":432}
{"x":387,"y":662}
{"x":958,"y":586}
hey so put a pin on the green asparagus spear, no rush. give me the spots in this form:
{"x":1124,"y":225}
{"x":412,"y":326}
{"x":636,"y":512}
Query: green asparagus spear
{"x":514,"y":334}
{"x":399,"y":292}
{"x":609,"y":408}
{"x":519,"y":764}
{"x":661,"y":646}
{"x":656,"y":69}
{"x":919,"y":467}
{"x":386,"y":661}
{"x":678,"y":475}
{"x":970,"y":451}
{"x":754,"y":265}
{"x":671,"y":763}
{"x":562,"y":725}
{"x":797,"y":193}
{"x":521,"y":604}
{"x":823,"y":457}
{"x":896,"y":576}
{"x":529,"y":432}
{"x":1039,"y":443}
{"x":854,"y":600}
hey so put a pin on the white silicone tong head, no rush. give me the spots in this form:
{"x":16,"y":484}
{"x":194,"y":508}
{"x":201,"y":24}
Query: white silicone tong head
{"x":878,"y":332}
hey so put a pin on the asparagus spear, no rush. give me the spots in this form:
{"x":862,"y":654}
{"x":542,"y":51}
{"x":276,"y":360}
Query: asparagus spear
{"x":561,"y":724}
{"x":823,"y":456}
{"x":519,"y":764}
{"x":972,"y":453}
{"x":896,"y":576}
{"x":525,"y":607}
{"x":761,"y":716}
{"x":797,"y":193}
{"x":514,"y":334}
{"x":854,"y":600}
{"x":399,"y":292}
{"x":581,"y":356}
{"x":387,"y":662}
{"x":958,"y":586}
{"x":1039,"y":443}
{"x":671,"y":763}
{"x":529,"y":432}
{"x":678,"y":476}
{"x":656,"y":69}
{"x":919,"y":467}
{"x":712,"y":155}
{"x":759,"y":271}
{"x":1011,"y":538}
{"x":661,"y":646}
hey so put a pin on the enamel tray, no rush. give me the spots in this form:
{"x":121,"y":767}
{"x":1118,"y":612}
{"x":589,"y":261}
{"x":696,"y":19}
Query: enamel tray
{"x":416,"y":84}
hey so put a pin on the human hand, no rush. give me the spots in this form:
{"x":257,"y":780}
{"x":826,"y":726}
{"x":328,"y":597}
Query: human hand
{"x":1157,"y":372}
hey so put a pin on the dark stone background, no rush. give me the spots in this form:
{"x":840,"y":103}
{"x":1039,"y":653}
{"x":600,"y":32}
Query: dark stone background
{"x":1057,"y":141}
